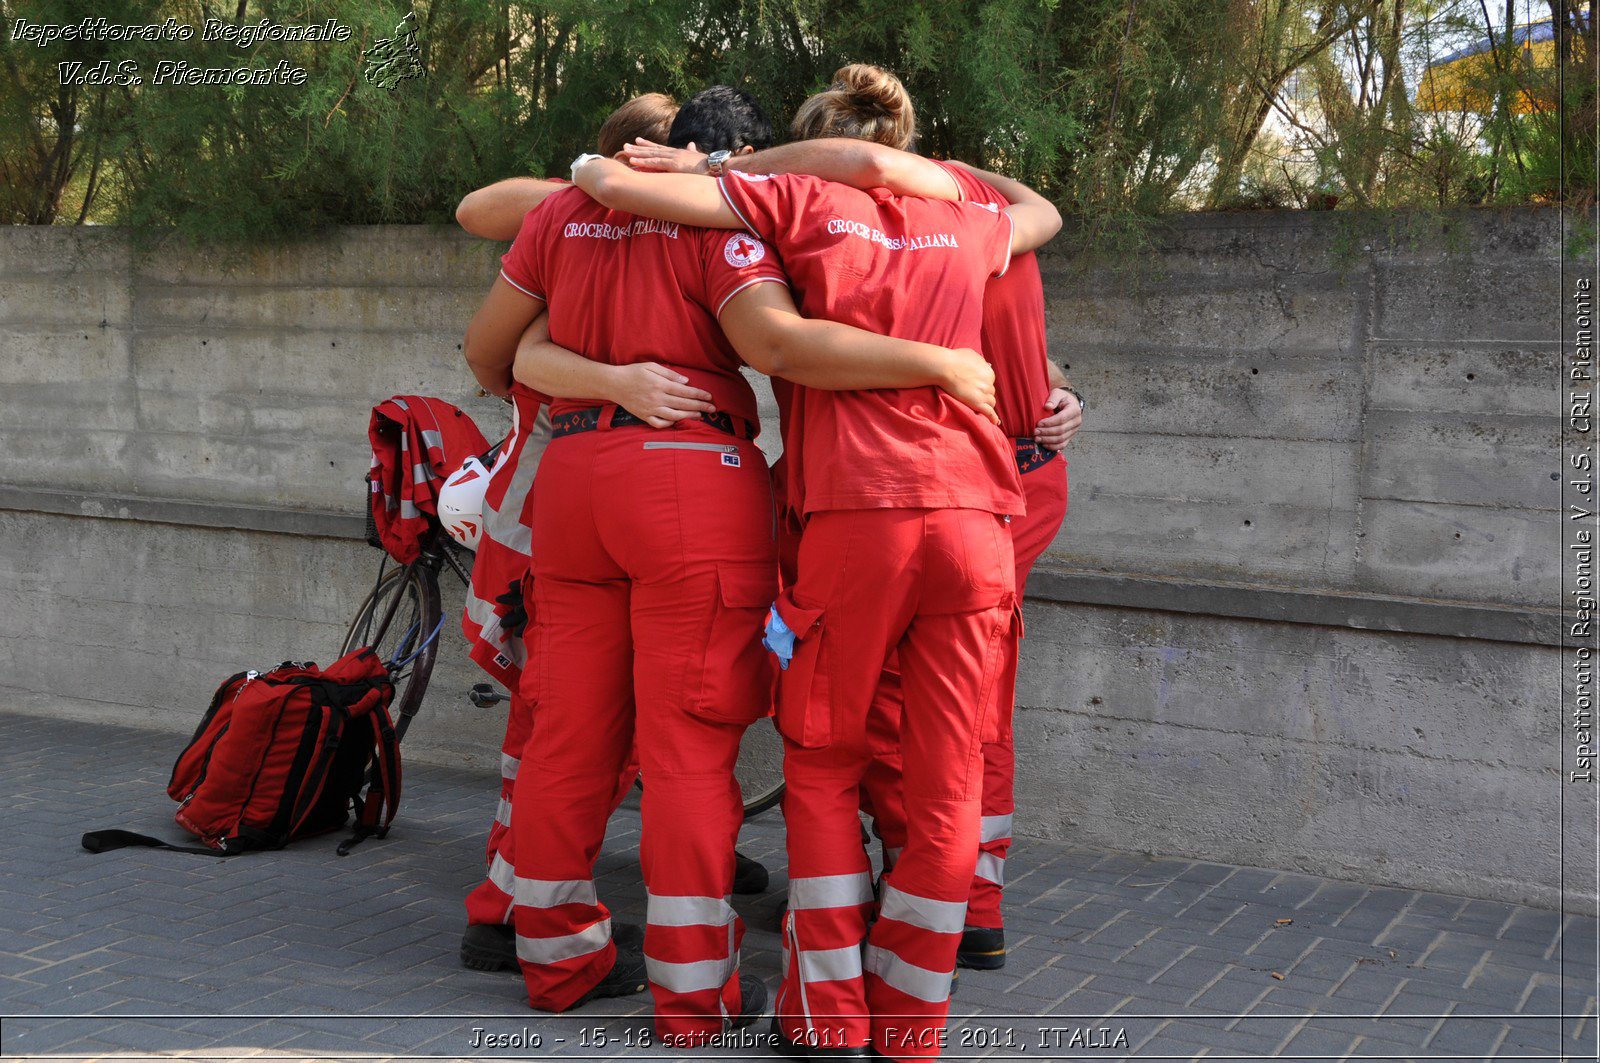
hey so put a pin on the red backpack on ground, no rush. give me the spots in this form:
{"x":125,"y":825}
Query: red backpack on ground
{"x":284,"y":754}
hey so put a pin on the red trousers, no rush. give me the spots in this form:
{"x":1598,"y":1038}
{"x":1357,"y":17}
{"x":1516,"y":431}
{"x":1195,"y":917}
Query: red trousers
{"x":653,"y":568}
{"x":490,"y":901}
{"x":935,"y":586}
{"x":1045,"y":489}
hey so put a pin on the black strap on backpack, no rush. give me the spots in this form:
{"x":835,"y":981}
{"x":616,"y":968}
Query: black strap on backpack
{"x":383,"y":785}
{"x":103,"y":841}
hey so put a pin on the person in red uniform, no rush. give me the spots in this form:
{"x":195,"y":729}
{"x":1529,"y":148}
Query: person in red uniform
{"x":648,"y":390}
{"x":906,"y":549}
{"x":1037,"y":409}
{"x":653,"y":567}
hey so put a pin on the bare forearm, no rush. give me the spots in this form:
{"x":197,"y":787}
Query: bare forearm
{"x":1058,"y":379}
{"x":688,"y":199}
{"x":496,"y":380}
{"x":836,"y":357}
{"x":550,"y":368}
{"x":495,"y":212}
{"x":858,"y":163}
{"x":1014,"y":191}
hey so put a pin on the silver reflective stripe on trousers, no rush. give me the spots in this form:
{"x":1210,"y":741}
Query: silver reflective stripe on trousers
{"x":509,"y":766}
{"x":503,"y":875}
{"x":567,"y":947}
{"x":991,"y":868}
{"x":547,"y":893}
{"x":995,"y":828}
{"x":690,"y":977}
{"x":829,"y":965}
{"x":941,"y":917}
{"x":830,"y":891}
{"x":502,"y":814}
{"x":913,"y":981}
{"x":687,"y":911}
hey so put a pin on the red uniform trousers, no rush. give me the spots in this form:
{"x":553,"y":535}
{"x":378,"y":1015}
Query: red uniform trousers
{"x":935,"y":586}
{"x":1045,"y":489}
{"x":490,"y":901}
{"x":653,"y":569}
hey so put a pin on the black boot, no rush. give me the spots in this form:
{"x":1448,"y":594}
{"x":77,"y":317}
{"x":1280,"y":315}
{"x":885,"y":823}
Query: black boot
{"x":752,"y":1002}
{"x":493,"y":946}
{"x":626,"y":977}
{"x":982,"y":948}
{"x":749,"y":876}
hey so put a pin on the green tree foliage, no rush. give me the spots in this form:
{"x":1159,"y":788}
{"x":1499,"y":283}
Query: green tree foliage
{"x":1113,"y":107}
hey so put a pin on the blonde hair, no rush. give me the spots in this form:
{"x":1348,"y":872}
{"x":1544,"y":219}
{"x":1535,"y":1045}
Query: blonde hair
{"x":864,"y":102}
{"x":649,"y":116}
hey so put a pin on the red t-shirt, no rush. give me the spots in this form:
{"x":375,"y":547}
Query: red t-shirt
{"x":1013,"y":326}
{"x":624,"y":289}
{"x":905,"y":267}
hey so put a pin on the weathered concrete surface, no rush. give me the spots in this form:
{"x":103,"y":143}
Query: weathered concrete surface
{"x":1376,"y":397}
{"x":1326,"y":748}
{"x":122,"y":619}
{"x":1318,"y":404}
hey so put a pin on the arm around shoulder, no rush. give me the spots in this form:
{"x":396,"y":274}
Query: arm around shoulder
{"x":495,"y":212}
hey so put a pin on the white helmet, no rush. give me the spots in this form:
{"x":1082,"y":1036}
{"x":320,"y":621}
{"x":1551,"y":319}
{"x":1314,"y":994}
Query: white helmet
{"x":461,"y":503}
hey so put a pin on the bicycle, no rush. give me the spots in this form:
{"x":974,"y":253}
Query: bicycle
{"x":405,"y":603}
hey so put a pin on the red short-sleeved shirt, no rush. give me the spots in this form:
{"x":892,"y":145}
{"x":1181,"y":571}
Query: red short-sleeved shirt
{"x":624,"y":289}
{"x":899,"y":266}
{"x":1013,"y":326}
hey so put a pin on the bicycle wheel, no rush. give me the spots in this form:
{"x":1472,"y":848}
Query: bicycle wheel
{"x":401,"y":620}
{"x":760,"y":767}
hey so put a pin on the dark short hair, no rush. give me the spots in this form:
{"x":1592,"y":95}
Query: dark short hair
{"x":721,"y":118}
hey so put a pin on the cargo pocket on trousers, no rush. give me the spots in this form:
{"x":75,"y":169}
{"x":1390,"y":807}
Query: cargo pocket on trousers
{"x":1000,"y":676}
{"x":736,"y":675}
{"x":804,"y":713}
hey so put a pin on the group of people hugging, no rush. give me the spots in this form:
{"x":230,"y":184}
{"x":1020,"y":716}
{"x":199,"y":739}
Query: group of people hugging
{"x":864,"y":592}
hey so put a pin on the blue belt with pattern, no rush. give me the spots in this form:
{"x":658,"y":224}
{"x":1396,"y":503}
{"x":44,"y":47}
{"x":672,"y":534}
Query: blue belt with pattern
{"x":588,"y":419}
{"x":1030,"y":455}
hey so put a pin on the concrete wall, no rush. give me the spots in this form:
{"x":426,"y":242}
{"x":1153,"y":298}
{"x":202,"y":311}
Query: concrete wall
{"x":1299,"y":615}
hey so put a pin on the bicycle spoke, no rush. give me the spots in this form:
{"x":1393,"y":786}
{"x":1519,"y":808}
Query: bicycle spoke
{"x":388,"y":616}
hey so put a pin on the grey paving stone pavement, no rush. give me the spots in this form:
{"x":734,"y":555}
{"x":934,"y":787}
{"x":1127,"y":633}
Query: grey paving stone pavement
{"x":303,"y":954}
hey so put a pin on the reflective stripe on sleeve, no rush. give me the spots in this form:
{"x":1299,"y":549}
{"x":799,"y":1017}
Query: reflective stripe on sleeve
{"x":509,"y":766}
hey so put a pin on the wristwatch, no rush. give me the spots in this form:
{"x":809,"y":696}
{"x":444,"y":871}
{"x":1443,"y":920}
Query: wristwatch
{"x":717,"y":162}
{"x":1083,"y":403}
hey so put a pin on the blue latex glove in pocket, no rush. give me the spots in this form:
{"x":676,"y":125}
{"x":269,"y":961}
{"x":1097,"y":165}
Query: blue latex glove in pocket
{"x":779,"y":639}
